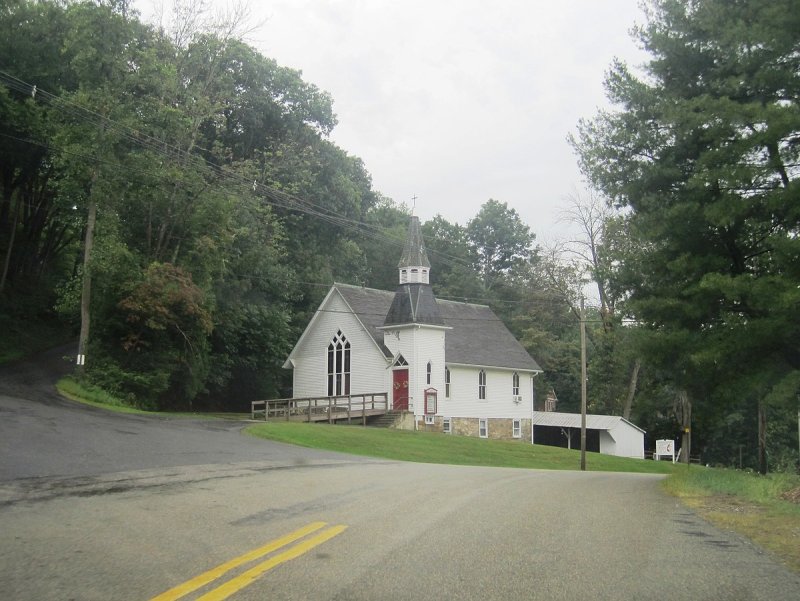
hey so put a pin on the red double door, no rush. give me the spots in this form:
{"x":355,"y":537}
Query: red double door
{"x":400,"y":390}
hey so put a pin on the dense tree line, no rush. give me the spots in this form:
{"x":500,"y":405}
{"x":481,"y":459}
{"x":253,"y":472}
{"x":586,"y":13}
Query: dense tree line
{"x":702,"y":154}
{"x":185,"y":188}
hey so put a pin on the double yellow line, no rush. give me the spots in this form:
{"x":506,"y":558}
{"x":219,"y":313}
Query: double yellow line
{"x":245,"y":578}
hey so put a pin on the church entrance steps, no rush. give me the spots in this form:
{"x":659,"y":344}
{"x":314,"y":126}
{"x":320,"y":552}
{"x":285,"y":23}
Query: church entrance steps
{"x":387,"y":420}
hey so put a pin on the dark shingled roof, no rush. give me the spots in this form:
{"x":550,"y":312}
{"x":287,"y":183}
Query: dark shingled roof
{"x":414,"y":251}
{"x":477,"y":337}
{"x":413,"y":303}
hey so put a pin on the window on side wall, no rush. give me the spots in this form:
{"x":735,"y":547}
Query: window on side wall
{"x":481,"y":384}
{"x":483,"y":427}
{"x":447,"y":382}
{"x":516,"y":428}
{"x":428,"y":374}
{"x":515,"y":384}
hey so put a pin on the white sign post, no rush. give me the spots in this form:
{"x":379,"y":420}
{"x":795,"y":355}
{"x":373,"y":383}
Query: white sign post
{"x":665,"y":448}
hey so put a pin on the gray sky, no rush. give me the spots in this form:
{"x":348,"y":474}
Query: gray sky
{"x":459,"y":101}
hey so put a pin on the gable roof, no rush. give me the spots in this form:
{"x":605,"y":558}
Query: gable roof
{"x":477,"y":337}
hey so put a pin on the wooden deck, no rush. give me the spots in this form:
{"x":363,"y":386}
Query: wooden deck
{"x":321,"y":409}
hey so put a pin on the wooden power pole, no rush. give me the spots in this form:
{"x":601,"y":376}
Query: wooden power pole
{"x":583,"y":387}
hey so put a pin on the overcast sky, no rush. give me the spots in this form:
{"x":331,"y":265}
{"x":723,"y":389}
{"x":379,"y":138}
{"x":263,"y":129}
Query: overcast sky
{"x":456,"y":102}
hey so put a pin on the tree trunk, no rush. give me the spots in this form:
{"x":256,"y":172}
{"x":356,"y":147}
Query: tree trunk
{"x":626,"y":410}
{"x":686,"y":426}
{"x":762,"y":438}
{"x":86,"y":292}
{"x":7,"y":261}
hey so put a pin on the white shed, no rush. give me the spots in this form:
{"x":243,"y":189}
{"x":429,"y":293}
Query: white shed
{"x":607,"y":434}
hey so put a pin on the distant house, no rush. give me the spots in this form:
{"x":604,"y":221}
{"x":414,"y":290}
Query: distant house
{"x":607,"y":434}
{"x":452,"y":367}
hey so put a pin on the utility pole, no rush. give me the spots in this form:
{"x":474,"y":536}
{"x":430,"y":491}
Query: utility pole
{"x":583,"y":387}
{"x":86,"y":291}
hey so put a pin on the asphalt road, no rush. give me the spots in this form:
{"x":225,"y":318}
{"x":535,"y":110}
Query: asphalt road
{"x":105,"y":506}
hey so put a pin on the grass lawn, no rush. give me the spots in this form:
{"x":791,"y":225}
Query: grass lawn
{"x":430,"y":447}
{"x":96,"y":397}
{"x":759,"y":507}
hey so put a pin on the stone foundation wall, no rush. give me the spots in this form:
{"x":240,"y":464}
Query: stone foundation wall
{"x":499,"y":428}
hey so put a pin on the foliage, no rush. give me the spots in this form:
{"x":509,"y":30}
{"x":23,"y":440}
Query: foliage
{"x":499,"y":241}
{"x":703,"y":154}
{"x":190,"y":146}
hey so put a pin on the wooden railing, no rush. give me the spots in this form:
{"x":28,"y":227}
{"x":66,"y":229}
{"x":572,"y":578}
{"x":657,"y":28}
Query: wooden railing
{"x":328,"y":408}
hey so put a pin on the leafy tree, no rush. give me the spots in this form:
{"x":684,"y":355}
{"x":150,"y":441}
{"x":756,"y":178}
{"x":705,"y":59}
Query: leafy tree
{"x":703,"y":153}
{"x":162,"y":326}
{"x":499,"y":241}
{"x":452,"y":261}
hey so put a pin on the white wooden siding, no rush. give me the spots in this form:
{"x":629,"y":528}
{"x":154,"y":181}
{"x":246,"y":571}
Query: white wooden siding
{"x":368,"y":371}
{"x":418,"y":345}
{"x":627,"y":441}
{"x":499,"y":402}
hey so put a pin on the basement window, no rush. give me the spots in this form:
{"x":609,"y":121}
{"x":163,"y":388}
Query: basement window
{"x":430,"y":420}
{"x":446,"y":426}
{"x":483,"y":427}
{"x":516,"y":429}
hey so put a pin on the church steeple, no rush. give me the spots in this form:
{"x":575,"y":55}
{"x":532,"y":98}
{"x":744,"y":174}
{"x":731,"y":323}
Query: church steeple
{"x":414,"y":265}
{"x":414,"y":302}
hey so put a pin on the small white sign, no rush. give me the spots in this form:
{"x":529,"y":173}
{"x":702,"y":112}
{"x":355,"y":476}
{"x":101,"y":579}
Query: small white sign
{"x":665,"y":448}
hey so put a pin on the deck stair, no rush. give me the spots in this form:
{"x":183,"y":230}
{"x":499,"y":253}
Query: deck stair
{"x":387,"y":420}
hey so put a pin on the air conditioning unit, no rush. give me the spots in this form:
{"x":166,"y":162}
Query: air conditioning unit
{"x":517,"y":398}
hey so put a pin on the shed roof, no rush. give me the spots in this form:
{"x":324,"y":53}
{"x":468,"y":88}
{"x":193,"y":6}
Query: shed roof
{"x":573,"y":420}
{"x":477,"y":337}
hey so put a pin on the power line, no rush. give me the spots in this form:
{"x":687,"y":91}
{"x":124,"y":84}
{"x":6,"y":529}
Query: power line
{"x":273,"y":196}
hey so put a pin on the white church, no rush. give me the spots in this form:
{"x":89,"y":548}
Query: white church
{"x":447,"y":366}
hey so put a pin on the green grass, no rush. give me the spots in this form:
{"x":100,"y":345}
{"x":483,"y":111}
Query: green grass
{"x":429,"y":447}
{"x":92,"y":395}
{"x":97,"y":397}
{"x":746,"y":486}
{"x":747,"y":503}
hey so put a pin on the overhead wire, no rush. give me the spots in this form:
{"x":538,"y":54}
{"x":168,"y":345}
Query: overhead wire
{"x":274,"y":196}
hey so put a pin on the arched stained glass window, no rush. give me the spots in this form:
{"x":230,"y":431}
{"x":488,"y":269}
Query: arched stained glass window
{"x":339,"y":365}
